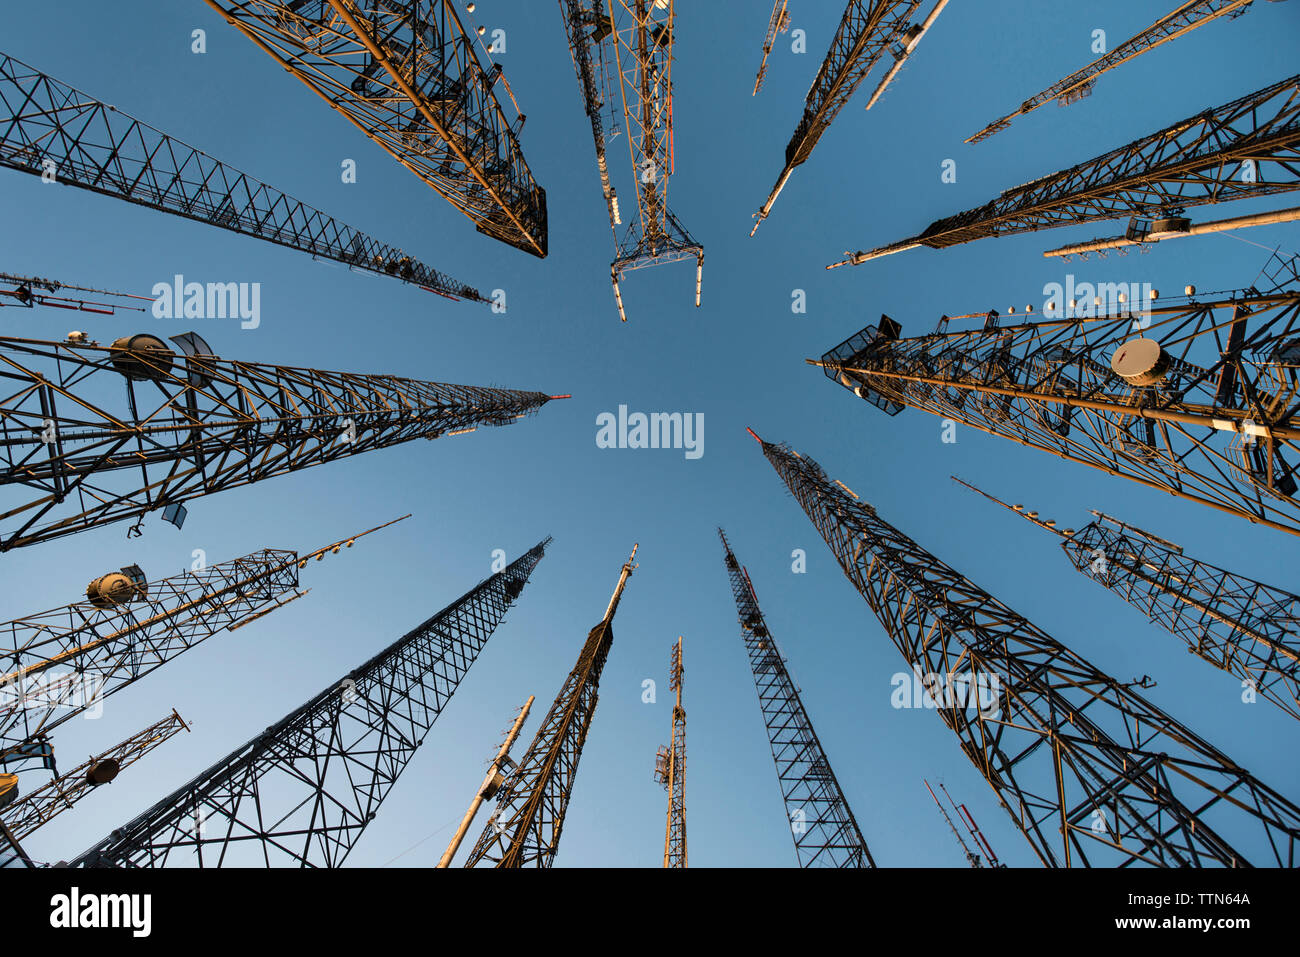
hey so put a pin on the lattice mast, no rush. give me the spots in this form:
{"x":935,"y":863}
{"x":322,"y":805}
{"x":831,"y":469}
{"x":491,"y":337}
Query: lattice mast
{"x":586,"y":25}
{"x":37,"y":808}
{"x":28,"y":292}
{"x":1244,"y":149}
{"x":524,"y":829}
{"x":1195,"y":398}
{"x":48,"y":128}
{"x":822,"y":824}
{"x":972,"y":858}
{"x":499,"y":766}
{"x":1183,"y":20}
{"x":1090,"y":772}
{"x":59,"y":663}
{"x":868,"y":29}
{"x":1239,"y":625}
{"x":670,"y":770}
{"x":409,"y":76}
{"x":778,"y":22}
{"x":101,"y":434}
{"x":302,"y":791}
{"x":642,"y":39}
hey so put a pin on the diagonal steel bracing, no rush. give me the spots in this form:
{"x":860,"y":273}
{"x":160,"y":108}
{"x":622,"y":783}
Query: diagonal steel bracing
{"x":301,"y":792}
{"x":1089,"y":771}
{"x":822,"y":824}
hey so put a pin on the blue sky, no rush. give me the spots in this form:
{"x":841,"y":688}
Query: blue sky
{"x":738,"y":360}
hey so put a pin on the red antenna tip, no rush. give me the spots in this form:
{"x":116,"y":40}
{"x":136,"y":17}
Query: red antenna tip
{"x":754,"y":434}
{"x":560,"y":397}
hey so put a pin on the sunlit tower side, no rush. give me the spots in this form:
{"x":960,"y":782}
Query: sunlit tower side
{"x":1241,"y":626}
{"x":1089,"y":771}
{"x":50,"y":129}
{"x":586,"y":25}
{"x":99,"y":434}
{"x":1244,"y":149}
{"x":670,"y":770}
{"x":498,"y":768}
{"x":59,"y":663}
{"x":37,"y":808}
{"x":972,"y":858}
{"x":409,"y":75}
{"x":1190,"y":397}
{"x":302,"y":792}
{"x":822,"y":824}
{"x":1181,"y":21}
{"x":642,"y":37}
{"x":867,"y":31}
{"x":778,"y":22}
{"x":525,"y":827}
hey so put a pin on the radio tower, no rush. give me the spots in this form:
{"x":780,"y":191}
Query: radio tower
{"x":642,"y":37}
{"x":31,"y":811}
{"x":972,"y":858}
{"x":102,"y":434}
{"x":1195,"y":398}
{"x":670,"y":771}
{"x":28,"y":292}
{"x":48,"y":128}
{"x":1240,"y":150}
{"x":1089,"y":771}
{"x":1241,"y":626}
{"x":824,"y":829}
{"x":59,"y":663}
{"x":866,"y":32}
{"x":302,"y":791}
{"x":524,"y":830}
{"x":407,"y":74}
{"x":1182,"y":21}
{"x":496,"y":776}
{"x":778,"y":22}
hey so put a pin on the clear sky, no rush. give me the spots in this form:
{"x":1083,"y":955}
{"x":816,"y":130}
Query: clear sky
{"x":874,"y":178}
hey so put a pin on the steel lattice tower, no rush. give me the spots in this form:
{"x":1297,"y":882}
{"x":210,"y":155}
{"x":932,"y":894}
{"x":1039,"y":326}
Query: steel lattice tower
{"x":1193,"y":398}
{"x":37,"y":808}
{"x":302,"y":791}
{"x":1241,"y":626}
{"x":524,"y":829}
{"x":1182,"y":21}
{"x":29,"y":292}
{"x":1241,"y":150}
{"x":103,"y":434}
{"x":50,"y":128}
{"x":406,"y":73}
{"x":642,"y":35}
{"x":59,"y":663}
{"x":670,"y":770}
{"x":586,"y":24}
{"x":822,"y":824}
{"x":778,"y":22}
{"x":864,"y":35}
{"x":1089,"y":771}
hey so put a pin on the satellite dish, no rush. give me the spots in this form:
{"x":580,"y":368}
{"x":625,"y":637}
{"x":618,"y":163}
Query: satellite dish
{"x":194,"y":345}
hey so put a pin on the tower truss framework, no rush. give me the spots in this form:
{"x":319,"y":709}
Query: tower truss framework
{"x":407,"y":74}
{"x":37,"y":808}
{"x":301,"y":792}
{"x":48,"y":128}
{"x":670,"y":770}
{"x":1241,"y":626}
{"x":1244,"y":149}
{"x":525,"y":827}
{"x":101,"y":434}
{"x":1088,"y":770}
{"x":822,"y":824}
{"x":59,"y":663}
{"x":1181,"y":21}
{"x":1209,"y":418}
{"x":865,"y":33}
